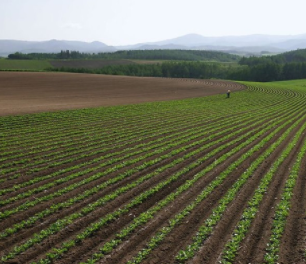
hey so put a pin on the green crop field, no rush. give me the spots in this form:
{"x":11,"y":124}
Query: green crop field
{"x":26,"y":65}
{"x":204,"y":180}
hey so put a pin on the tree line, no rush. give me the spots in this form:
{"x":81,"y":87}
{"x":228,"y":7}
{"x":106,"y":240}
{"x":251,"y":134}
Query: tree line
{"x":186,"y":55}
{"x":182,"y":69}
{"x":286,"y":66}
{"x":260,"y":73}
{"x":295,"y":56}
{"x":267,"y":72}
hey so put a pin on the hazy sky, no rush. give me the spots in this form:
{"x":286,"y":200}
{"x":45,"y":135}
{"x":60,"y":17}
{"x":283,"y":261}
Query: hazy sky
{"x":121,"y":22}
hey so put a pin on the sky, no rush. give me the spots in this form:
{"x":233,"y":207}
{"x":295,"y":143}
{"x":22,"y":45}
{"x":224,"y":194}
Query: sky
{"x":125,"y":22}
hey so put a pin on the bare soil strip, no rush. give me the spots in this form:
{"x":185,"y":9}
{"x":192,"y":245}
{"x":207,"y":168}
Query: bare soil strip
{"x":32,"y":92}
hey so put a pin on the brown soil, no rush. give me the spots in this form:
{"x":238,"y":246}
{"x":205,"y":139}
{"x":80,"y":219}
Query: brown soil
{"x":27,"y":92}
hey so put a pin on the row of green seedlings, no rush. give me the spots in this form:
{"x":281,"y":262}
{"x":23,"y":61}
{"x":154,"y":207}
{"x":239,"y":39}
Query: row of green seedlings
{"x":26,"y":194}
{"x":64,"y":161}
{"x":59,"y":225}
{"x":55,"y":123}
{"x":92,"y":134}
{"x":121,"y":140}
{"x":282,"y":210}
{"x":119,"y":144}
{"x":189,"y":252}
{"x":48,"y":135}
{"x":206,"y":230}
{"x":19,"y":146}
{"x":24,"y":161}
{"x":232,"y":247}
{"x":146,"y":152}
{"x":145,"y":217}
{"x":273,"y":91}
{"x":86,"y":172}
{"x":143,"y":148}
{"x":61,"y":120}
{"x":62,"y":125}
{"x":212,"y":143}
{"x":93,"y":228}
{"x":54,"y":164}
{"x":73,"y":115}
{"x":284,"y":98}
{"x":272,"y":95}
{"x":74,"y":131}
{"x":37,"y":179}
{"x":108,"y":114}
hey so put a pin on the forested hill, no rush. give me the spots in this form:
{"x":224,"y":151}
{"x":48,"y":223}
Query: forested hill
{"x":296,"y":56}
{"x":185,"y":55}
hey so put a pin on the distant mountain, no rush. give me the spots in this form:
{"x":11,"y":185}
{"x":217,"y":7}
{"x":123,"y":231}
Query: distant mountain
{"x":251,"y":44}
{"x":51,"y":46}
{"x":292,"y":44}
{"x":237,"y":44}
{"x":163,"y":47}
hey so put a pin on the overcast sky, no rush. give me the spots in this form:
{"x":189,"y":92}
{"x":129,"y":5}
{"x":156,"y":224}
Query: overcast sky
{"x":121,"y":22}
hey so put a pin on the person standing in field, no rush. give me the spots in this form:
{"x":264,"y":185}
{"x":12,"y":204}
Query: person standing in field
{"x":228,"y":93}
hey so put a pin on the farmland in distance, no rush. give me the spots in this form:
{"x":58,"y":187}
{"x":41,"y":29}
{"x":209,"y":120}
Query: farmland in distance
{"x":206,"y":179}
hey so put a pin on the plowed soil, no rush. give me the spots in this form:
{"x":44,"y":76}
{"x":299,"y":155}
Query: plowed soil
{"x":30,"y":92}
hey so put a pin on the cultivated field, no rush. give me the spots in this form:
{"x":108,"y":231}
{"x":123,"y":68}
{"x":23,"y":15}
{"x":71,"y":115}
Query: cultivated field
{"x":88,"y":64}
{"x":26,"y":65}
{"x":30,"y":92}
{"x":199,"y":180}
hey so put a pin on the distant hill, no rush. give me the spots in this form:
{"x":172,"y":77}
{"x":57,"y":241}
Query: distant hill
{"x":251,"y":44}
{"x":51,"y":46}
{"x":155,"y":55}
{"x":296,"y":56}
{"x":171,"y":54}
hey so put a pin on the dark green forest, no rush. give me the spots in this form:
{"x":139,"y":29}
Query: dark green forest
{"x":265,"y":72}
{"x":190,"y":64}
{"x":286,"y":66}
{"x":185,"y":55}
{"x":287,"y":57}
{"x":182,"y":69}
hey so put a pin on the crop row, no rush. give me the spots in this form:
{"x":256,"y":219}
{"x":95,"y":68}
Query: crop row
{"x":83,"y":176}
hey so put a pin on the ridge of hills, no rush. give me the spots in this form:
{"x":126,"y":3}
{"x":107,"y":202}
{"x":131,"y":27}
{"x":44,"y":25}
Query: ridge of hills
{"x":243,"y":45}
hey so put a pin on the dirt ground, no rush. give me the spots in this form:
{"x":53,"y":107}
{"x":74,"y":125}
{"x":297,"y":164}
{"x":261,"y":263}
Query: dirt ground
{"x":32,"y":92}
